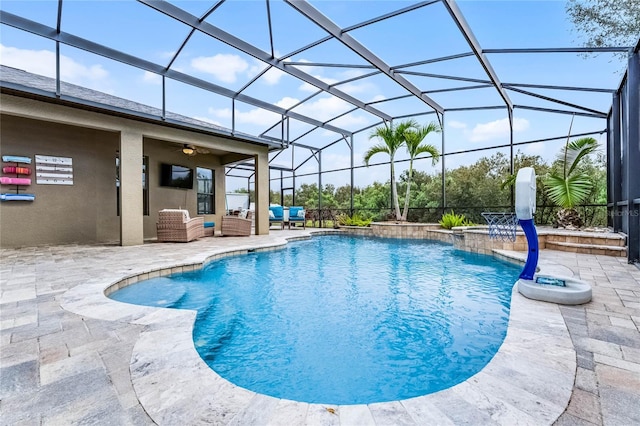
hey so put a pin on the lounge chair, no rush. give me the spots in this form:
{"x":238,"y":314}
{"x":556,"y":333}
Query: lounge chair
{"x":276,"y":215}
{"x":237,"y":226}
{"x":175,"y":225}
{"x":297,"y":214}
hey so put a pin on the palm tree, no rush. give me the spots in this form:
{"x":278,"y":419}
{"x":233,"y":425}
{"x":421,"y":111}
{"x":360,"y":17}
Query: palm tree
{"x":392,"y":139}
{"x":413,"y":140}
{"x":569,"y":186}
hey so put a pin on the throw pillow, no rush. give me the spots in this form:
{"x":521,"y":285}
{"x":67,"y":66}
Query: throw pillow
{"x":301,"y":213}
{"x":271,"y":215}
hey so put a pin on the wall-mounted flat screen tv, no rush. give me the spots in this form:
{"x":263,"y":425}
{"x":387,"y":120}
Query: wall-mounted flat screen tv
{"x":176,"y":176}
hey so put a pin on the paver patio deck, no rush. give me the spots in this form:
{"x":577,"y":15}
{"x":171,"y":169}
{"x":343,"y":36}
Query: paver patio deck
{"x":69,"y":355}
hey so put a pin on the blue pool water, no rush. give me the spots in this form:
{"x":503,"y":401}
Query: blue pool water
{"x":343,"y":320}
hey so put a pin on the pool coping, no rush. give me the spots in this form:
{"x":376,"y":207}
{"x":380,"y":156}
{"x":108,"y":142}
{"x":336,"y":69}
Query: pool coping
{"x":529,"y":380}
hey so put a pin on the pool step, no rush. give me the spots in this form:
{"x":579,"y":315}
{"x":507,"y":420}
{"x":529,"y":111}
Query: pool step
{"x":587,"y":248}
{"x":597,"y":239}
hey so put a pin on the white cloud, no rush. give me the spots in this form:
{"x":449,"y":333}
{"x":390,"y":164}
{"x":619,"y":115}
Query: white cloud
{"x":254,"y":116}
{"x":497,"y":129}
{"x":322,"y":109}
{"x":272,"y":77}
{"x":310,"y":69}
{"x":287,"y":102}
{"x":520,"y":124}
{"x":208,"y":120}
{"x":227,"y":68}
{"x":456,"y":124}
{"x":363,"y":87}
{"x":352,"y":73}
{"x":355,"y":89}
{"x":306,"y":87}
{"x":151,"y":78}
{"x":325,"y":108}
{"x":72,"y":70}
{"x":43,"y":62}
{"x":533,"y":149}
{"x":224,"y":67}
{"x":330,"y":161}
{"x":350,"y":121}
{"x":257,"y":67}
{"x":220,"y":112}
{"x":168,"y":54}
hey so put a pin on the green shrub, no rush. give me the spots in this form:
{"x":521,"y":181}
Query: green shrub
{"x":355,"y":220}
{"x":449,"y":220}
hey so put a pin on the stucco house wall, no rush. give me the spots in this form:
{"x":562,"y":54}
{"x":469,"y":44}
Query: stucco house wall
{"x":60,"y":214}
{"x":86,"y":212}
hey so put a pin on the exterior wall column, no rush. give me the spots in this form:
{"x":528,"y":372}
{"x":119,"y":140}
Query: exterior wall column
{"x":262,"y":193}
{"x":131,"y":220}
{"x":614,"y":165}
{"x":632,"y":175}
{"x":220,"y":195}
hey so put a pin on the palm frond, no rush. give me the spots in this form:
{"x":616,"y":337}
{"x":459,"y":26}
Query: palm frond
{"x":376,"y":149}
{"x":568,"y":192}
{"x":428,"y":149}
{"x":414,"y":137}
{"x":571,"y":154}
{"x":578,"y":149}
{"x":391,"y":135}
{"x":508,"y":181}
{"x":406,"y":125}
{"x":383,"y":132}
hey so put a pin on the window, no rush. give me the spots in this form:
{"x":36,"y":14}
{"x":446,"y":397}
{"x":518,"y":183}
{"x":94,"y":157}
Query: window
{"x":206,"y":191}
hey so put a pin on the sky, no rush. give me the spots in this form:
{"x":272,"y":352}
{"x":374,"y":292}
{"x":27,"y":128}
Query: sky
{"x":426,"y":33}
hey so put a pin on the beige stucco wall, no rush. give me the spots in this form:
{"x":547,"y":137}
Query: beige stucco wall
{"x":86,"y":211}
{"x":161,"y":197}
{"x":61,"y":213}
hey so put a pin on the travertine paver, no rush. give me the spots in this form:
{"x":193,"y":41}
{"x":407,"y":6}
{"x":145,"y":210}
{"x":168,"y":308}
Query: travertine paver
{"x":607,"y":388}
{"x":64,"y":367}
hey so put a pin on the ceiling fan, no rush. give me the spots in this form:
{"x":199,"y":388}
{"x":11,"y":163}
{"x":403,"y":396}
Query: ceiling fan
{"x":191,"y":150}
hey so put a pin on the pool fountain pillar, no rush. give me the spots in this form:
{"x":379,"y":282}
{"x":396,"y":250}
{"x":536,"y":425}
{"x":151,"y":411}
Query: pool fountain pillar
{"x":563,"y":290}
{"x":525,"y":208}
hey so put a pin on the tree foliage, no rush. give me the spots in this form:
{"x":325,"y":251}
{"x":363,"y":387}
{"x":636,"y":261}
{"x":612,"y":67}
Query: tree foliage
{"x":392,"y":137}
{"x":413,"y":141}
{"x":606,"y":22}
{"x":471,"y":190}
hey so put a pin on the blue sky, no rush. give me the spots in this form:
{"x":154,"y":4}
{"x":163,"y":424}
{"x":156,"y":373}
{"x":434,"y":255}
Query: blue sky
{"x":422,"y":34}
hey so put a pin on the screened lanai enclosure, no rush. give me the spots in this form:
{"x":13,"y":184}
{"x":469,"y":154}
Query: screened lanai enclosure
{"x":506,"y":82}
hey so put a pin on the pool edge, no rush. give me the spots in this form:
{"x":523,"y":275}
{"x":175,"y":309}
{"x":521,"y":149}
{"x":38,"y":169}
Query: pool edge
{"x":172,"y":383}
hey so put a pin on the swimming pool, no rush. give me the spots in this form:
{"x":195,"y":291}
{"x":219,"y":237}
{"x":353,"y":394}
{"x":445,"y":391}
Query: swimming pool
{"x":343,"y":320}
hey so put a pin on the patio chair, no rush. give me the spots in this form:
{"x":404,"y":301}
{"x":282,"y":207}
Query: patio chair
{"x":276,"y":215}
{"x":297,"y":214}
{"x":237,"y":226}
{"x":175,"y":225}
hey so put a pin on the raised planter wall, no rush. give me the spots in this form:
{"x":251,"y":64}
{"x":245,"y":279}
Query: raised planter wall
{"x":475,"y":239}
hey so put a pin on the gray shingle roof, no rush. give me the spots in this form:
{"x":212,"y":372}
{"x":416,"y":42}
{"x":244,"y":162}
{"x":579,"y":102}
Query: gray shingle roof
{"x":22,"y":80}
